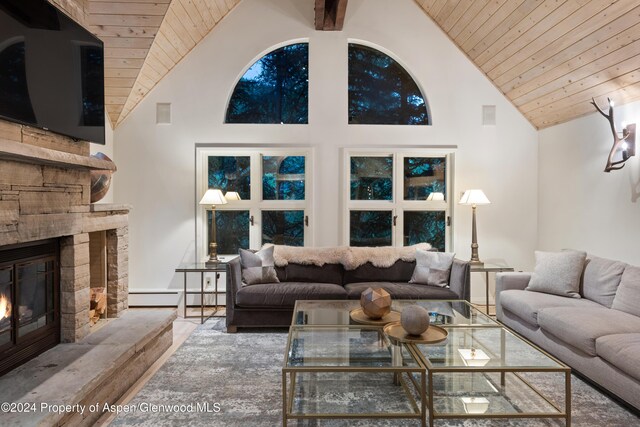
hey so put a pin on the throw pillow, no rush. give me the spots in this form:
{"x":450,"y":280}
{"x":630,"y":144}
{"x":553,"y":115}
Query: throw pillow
{"x":432,"y":268}
{"x":627,"y":297}
{"x":258,"y":267}
{"x":601,"y":279}
{"x":557,"y":273}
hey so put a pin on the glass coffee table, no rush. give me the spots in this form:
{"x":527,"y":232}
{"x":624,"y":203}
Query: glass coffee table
{"x":336,"y":368}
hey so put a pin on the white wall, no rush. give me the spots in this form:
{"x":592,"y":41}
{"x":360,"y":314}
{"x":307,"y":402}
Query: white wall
{"x":581,"y":206}
{"x":156,"y":163}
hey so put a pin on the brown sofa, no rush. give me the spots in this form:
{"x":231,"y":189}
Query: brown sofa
{"x":271,"y":304}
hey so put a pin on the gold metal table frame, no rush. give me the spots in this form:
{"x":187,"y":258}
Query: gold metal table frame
{"x":422,"y":378}
{"x":404,"y":376}
{"x":203,"y":268}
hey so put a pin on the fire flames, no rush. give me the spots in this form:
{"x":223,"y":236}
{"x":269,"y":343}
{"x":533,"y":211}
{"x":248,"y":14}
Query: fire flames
{"x":5,"y":307}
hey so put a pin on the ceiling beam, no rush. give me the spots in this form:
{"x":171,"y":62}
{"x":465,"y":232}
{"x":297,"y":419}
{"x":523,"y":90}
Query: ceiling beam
{"x":330,"y":14}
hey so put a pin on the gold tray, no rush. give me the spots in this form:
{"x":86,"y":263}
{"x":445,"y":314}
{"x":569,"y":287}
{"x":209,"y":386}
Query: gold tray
{"x":358,"y":316}
{"x":433,"y":334}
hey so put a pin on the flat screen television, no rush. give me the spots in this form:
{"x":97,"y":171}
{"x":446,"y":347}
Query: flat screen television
{"x":51,"y":71}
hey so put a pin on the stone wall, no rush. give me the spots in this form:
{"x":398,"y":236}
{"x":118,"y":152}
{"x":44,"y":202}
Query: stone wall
{"x":74,"y":287}
{"x":117,"y":271}
{"x":49,"y":197}
{"x":41,"y":201}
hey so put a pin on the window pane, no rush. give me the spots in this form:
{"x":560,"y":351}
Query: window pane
{"x":232,"y":231}
{"x":370,"y":228}
{"x":231,"y":173}
{"x":283,"y":177}
{"x":273,"y":90}
{"x":423,"y":176}
{"x":372,"y":178}
{"x":283,"y":227}
{"x":425,"y":226}
{"x":381,"y":91}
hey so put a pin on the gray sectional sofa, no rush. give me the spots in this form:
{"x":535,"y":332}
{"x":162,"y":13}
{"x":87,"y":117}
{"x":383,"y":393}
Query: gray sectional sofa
{"x":598,"y":335}
{"x":271,"y":304}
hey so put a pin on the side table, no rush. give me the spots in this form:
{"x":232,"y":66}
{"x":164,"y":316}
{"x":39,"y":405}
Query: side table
{"x":202,"y":268}
{"x":486,"y":269}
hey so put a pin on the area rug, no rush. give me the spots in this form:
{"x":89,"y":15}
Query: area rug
{"x":234,"y":380}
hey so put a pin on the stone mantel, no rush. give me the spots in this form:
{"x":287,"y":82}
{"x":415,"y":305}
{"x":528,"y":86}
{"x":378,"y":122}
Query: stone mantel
{"x":17,"y":151}
{"x":110,"y":207}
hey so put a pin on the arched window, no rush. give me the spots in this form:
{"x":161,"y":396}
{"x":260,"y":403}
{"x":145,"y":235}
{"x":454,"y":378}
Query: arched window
{"x":381,"y":91}
{"x":275,"y":89}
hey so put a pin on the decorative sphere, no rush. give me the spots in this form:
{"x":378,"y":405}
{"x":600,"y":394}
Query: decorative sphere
{"x":100,"y":180}
{"x":375,"y":302}
{"x":414,"y":319}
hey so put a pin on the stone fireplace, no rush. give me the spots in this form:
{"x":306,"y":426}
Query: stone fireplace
{"x":45,"y":190}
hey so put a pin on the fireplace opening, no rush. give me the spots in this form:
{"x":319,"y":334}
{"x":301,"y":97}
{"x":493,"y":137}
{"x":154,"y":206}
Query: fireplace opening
{"x":29,"y":301}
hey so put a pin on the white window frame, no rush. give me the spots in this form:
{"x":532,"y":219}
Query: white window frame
{"x":255,"y":205}
{"x":397,"y":205}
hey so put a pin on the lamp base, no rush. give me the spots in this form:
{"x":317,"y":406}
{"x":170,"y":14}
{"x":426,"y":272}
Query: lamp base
{"x":212,"y":262}
{"x":476,"y":263}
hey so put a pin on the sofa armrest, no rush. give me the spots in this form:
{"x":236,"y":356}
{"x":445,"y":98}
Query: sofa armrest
{"x":511,"y":280}
{"x":460,"y":279}
{"x":233,"y":284}
{"x":507,"y":281}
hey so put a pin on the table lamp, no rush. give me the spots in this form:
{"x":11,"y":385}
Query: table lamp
{"x":474,"y":198}
{"x":436,"y":196}
{"x":213,"y":197}
{"x":232,"y":196}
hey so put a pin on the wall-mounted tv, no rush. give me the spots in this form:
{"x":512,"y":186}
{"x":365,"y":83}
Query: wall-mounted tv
{"x":51,"y":71}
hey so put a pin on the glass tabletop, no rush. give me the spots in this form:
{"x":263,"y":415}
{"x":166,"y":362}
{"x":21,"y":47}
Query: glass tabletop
{"x":485,"y":348}
{"x":201,"y":266}
{"x":442,"y":312}
{"x":342,"y":347}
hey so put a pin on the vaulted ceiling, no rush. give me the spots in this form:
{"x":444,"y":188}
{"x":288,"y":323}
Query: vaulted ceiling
{"x":549,"y":57}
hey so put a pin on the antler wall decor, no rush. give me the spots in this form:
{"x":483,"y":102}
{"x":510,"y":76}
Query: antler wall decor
{"x":625,"y":143}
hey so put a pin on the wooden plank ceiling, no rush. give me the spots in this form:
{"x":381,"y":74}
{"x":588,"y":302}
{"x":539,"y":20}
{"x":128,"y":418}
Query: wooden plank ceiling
{"x":144,"y":40}
{"x":549,"y":57}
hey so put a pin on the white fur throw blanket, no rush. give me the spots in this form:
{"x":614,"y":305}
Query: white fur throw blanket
{"x":350,"y":257}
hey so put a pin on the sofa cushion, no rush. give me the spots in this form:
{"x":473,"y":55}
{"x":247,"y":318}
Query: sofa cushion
{"x":328,"y":273}
{"x":580,"y":328}
{"x":622,"y":351}
{"x":627,"y":297}
{"x":402,"y":290}
{"x":526,"y":304}
{"x":285,"y":294}
{"x":258,"y":267}
{"x":401,"y":271}
{"x":558,"y":273}
{"x":432,"y":268}
{"x":601,"y":278}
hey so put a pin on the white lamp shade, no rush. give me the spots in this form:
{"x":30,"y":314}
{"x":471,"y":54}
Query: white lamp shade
{"x":213,"y":196}
{"x":474,"y":197}
{"x":232,"y":196}
{"x":436,"y":196}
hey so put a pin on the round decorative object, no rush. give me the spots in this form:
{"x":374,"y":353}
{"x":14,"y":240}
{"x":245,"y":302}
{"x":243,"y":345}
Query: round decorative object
{"x":375,"y":302}
{"x":100,"y":180}
{"x":358,"y":316}
{"x":414,"y":319}
{"x":433,"y":335}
